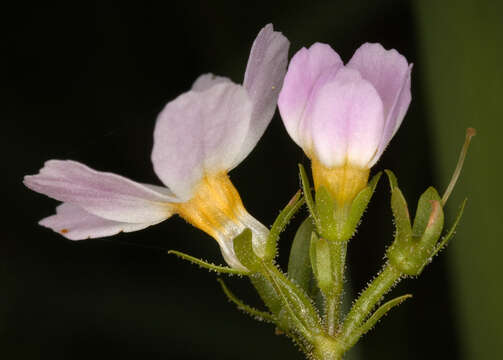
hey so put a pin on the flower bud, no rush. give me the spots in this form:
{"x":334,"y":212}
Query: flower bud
{"x":414,"y":246}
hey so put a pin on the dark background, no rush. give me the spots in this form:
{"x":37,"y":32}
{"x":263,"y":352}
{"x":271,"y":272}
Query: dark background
{"x":85,"y":82}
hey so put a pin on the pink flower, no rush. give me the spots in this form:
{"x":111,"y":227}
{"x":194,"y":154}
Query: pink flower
{"x":198,"y":138}
{"x":343,"y":117}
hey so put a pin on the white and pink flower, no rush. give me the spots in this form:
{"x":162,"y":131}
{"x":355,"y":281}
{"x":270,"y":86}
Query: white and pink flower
{"x":344,"y":116}
{"x":198,"y":138}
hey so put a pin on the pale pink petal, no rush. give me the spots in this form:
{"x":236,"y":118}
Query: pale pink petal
{"x":389,"y":72}
{"x":396,"y":116}
{"x":200,"y":132}
{"x":205,"y":81}
{"x":106,"y":195}
{"x":346,"y":119}
{"x":75,"y":223}
{"x":263,"y":80}
{"x":309,"y":69}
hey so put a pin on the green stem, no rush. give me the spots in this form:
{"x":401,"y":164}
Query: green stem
{"x":271,"y":275}
{"x":366,"y":302}
{"x":338,"y":250}
{"x":269,"y":295}
{"x":331,"y":314}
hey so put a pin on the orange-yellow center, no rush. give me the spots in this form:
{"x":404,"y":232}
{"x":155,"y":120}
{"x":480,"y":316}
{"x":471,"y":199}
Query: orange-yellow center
{"x":342,"y":182}
{"x":215,"y":203}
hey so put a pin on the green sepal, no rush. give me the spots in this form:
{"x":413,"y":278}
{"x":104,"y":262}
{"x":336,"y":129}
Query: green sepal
{"x":306,"y":189}
{"x":380,"y":312}
{"x":358,"y":207}
{"x":400,"y":210}
{"x":312,"y":254}
{"x":393,"y":182}
{"x":325,"y":212}
{"x":401,"y":215}
{"x":207,"y":265}
{"x":443,"y":243}
{"x":299,"y":263}
{"x":243,"y":247}
{"x":339,"y":224}
{"x":428,"y":215}
{"x":280,"y":223}
{"x":257,"y":314}
{"x":321,"y":263}
{"x":434,"y":227}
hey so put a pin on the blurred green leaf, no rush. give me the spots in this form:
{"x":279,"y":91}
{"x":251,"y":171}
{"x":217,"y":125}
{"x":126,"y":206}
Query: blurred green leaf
{"x":460,"y":56}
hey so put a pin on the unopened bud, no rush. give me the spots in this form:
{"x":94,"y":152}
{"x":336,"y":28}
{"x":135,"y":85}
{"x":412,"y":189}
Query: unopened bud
{"x":414,"y":246}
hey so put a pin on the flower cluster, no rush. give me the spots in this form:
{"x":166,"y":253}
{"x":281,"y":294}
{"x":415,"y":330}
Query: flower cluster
{"x":342,"y":116}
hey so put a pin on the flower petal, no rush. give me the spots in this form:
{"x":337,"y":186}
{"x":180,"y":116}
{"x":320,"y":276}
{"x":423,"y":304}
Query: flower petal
{"x":309,"y":69}
{"x":205,"y":81}
{"x":75,"y":223}
{"x":263,"y":80}
{"x":346,"y":120}
{"x":106,"y":195}
{"x":396,"y":116}
{"x":198,"y":133}
{"x":389,"y":72}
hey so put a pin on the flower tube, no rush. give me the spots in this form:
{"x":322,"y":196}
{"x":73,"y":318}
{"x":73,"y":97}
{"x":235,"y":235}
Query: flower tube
{"x":198,"y":138}
{"x":343,"y":117}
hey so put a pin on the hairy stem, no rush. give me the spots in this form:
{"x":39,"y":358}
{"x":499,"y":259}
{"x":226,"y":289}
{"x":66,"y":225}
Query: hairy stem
{"x":367,"y":301}
{"x":333,"y":300}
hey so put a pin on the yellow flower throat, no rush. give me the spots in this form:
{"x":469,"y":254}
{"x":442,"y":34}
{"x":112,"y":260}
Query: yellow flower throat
{"x":342,"y":182}
{"x":216,"y":203}
{"x":217,"y":209}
